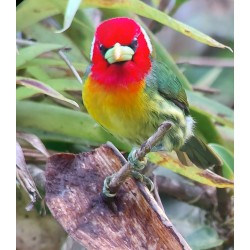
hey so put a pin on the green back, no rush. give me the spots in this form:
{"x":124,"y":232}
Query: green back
{"x":163,"y":80}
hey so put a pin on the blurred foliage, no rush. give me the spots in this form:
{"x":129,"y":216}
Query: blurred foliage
{"x":47,"y":88}
{"x":191,"y":222}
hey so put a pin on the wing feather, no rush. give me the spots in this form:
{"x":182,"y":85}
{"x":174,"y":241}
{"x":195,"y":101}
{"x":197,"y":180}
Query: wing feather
{"x":162,"y":79}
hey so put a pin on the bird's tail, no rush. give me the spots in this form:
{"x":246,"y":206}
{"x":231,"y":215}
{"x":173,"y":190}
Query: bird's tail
{"x":199,"y":153}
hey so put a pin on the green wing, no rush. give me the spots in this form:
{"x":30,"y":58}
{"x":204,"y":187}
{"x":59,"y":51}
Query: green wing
{"x":162,"y":79}
{"x":199,"y":153}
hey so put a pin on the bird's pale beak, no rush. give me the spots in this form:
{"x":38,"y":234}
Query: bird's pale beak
{"x":119,"y":53}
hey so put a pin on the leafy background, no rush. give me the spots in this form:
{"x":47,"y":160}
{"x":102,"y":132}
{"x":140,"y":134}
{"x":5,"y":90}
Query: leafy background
{"x":49,"y":101}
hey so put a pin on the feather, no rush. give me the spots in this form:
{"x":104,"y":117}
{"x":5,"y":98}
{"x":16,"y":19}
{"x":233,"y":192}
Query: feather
{"x":168,"y":85}
{"x":200,"y":153}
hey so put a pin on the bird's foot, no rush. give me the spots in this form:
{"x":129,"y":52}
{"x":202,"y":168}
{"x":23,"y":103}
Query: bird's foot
{"x":137,"y":165}
{"x":105,"y":189}
{"x":144,"y":179}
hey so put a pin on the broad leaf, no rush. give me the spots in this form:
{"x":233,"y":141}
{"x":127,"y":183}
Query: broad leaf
{"x":44,"y":33}
{"x":27,"y":54}
{"x":205,"y":126}
{"x":219,"y":112}
{"x":37,"y":72}
{"x":56,"y":84}
{"x":228,"y":136}
{"x":32,"y":11}
{"x":57,"y":63}
{"x":228,"y":160}
{"x":192,"y":172}
{"x":63,"y":124}
{"x":208,"y":79}
{"x":24,"y":93}
{"x":43,"y":88}
{"x":71,"y":10}
{"x":145,"y":10}
{"x":48,"y":9}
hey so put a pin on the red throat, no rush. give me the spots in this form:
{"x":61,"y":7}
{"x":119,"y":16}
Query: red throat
{"x":123,"y":31}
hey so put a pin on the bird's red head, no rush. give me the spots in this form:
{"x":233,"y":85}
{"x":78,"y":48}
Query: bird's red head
{"x":120,"y":52}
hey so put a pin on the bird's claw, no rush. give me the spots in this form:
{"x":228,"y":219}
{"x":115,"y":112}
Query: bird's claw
{"x":136,"y":164}
{"x":105,"y":189}
{"x":144,"y":179}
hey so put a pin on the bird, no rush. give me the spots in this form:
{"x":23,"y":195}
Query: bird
{"x":129,"y":93}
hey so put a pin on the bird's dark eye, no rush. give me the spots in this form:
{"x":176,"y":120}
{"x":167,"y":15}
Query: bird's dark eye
{"x":102,"y":49}
{"x":134,"y":44}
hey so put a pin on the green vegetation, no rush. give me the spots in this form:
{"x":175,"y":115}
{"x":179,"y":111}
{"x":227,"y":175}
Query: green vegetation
{"x":49,"y":103}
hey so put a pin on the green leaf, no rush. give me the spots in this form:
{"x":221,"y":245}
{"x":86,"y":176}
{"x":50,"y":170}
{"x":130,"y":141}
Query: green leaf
{"x":37,"y":12}
{"x":44,"y":33}
{"x":192,"y":172}
{"x":32,"y":11}
{"x":63,"y":122}
{"x":70,"y":12}
{"x":228,"y":160}
{"x":204,"y":126}
{"x":62,"y":84}
{"x":204,"y":238}
{"x":57,"y":63}
{"x":24,"y":92}
{"x":145,"y":10}
{"x":219,"y":112}
{"x":208,"y":79}
{"x":37,"y":72}
{"x":220,"y":79}
{"x":43,"y":88}
{"x":228,"y":136}
{"x":81,"y":31}
{"x":27,"y":54}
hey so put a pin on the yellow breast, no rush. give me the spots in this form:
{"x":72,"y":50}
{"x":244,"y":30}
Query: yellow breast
{"x":121,"y":110}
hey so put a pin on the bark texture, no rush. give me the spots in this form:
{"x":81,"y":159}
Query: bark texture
{"x":73,"y":195}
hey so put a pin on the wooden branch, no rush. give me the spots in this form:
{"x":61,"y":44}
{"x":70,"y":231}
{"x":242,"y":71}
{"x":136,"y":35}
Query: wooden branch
{"x":206,"y":90}
{"x":24,"y":42}
{"x":119,"y":177}
{"x":206,"y":61}
{"x":73,"y":188}
{"x":70,"y":65}
{"x":196,"y":194}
